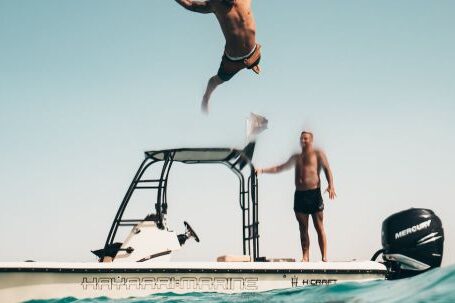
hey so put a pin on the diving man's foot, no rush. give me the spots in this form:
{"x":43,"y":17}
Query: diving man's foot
{"x":205,"y":104}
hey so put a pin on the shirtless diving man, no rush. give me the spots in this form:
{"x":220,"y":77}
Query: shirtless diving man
{"x":239,"y":29}
{"x":307,"y":197}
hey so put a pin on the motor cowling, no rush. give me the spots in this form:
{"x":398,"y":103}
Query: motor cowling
{"x":412,"y":241}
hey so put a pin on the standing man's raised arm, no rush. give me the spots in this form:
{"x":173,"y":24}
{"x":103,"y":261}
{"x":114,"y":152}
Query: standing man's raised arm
{"x":328,"y":175}
{"x":202,"y":7}
{"x":276,"y":169}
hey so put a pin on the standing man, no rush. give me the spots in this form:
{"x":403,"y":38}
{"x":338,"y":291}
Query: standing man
{"x":307,"y":197}
{"x":239,"y":29}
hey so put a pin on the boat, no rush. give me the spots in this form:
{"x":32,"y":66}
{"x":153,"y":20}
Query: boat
{"x":140,"y":264}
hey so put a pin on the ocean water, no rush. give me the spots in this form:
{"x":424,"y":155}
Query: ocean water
{"x":437,"y":285}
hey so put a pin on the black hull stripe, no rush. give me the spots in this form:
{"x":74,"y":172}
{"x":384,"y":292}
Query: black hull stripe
{"x":194,"y":270}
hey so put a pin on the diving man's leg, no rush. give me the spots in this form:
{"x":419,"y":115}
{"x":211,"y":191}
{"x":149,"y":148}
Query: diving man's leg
{"x":304,"y":237}
{"x":318,"y":221}
{"x":211,"y":85}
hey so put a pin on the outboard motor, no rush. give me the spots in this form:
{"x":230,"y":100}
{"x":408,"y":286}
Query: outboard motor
{"x":412,"y":242}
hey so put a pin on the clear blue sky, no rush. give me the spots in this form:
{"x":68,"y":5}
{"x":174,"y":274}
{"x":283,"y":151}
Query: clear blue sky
{"x":87,"y":86}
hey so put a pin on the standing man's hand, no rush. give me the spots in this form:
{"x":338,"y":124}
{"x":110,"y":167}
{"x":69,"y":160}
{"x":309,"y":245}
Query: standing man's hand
{"x":331,"y":191}
{"x":259,"y":171}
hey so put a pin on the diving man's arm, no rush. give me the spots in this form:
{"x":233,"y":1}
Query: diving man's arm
{"x":202,"y":7}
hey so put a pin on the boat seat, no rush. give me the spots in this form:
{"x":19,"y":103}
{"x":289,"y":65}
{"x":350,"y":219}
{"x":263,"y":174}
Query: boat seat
{"x":233,"y":258}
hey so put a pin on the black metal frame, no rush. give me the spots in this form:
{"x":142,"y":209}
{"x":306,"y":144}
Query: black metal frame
{"x":236,"y":161}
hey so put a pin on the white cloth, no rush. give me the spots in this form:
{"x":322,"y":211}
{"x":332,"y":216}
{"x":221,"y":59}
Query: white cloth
{"x":255,"y":124}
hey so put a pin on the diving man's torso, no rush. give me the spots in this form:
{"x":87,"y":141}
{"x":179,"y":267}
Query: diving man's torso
{"x":238,"y":26}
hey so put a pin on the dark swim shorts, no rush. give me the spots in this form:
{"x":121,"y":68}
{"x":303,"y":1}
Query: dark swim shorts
{"x":228,"y":68}
{"x":308,"y":201}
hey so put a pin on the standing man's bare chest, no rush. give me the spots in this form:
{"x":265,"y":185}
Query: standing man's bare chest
{"x":307,"y":163}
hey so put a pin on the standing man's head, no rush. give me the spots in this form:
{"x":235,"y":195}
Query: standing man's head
{"x":306,"y":139}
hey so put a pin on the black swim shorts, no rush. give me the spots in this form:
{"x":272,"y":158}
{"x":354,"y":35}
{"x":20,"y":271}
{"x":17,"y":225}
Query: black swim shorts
{"x":308,"y":201}
{"x":228,"y":68}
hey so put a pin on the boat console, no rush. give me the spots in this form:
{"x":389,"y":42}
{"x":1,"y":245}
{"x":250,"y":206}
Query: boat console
{"x":149,"y":239}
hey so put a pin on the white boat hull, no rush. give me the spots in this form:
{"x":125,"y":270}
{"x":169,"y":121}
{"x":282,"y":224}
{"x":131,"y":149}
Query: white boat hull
{"x":26,"y":281}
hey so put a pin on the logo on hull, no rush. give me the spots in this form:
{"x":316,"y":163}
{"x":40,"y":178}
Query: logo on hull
{"x":169,"y":283}
{"x":295,"y":281}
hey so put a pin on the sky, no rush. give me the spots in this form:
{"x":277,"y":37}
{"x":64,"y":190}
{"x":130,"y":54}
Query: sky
{"x":87,"y":86}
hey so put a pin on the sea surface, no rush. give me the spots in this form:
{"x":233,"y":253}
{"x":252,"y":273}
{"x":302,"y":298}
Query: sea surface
{"x":437,"y":285}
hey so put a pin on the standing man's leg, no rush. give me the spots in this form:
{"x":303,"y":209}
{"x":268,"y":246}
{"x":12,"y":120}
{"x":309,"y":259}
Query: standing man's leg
{"x":318,"y":221}
{"x":211,"y":85}
{"x":304,"y":237}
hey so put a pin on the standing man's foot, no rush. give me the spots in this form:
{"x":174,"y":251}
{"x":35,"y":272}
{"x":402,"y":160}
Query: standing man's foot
{"x":305,"y":259}
{"x":324,"y":259}
{"x":205,"y":105}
